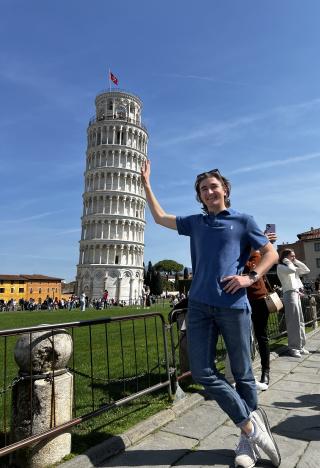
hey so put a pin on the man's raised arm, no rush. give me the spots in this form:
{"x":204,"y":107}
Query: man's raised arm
{"x":159,"y":215}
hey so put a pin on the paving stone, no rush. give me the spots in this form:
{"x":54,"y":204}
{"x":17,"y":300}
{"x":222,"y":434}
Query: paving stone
{"x":284,"y":365}
{"x":307,"y":377}
{"x":100,"y":452}
{"x":197,"y":423}
{"x":300,"y":425}
{"x":215,"y":450}
{"x":285,"y":399}
{"x":140,"y":430}
{"x":313,"y":343}
{"x":275,"y":415}
{"x":276,"y":376}
{"x":314,"y":357}
{"x":309,"y":363}
{"x":207,"y":459}
{"x":290,"y":450}
{"x":296,"y":387}
{"x":160,"y":450}
{"x":306,"y":370}
{"x":310,"y":458}
{"x":225,"y":437}
{"x":187,"y":403}
{"x":211,"y":403}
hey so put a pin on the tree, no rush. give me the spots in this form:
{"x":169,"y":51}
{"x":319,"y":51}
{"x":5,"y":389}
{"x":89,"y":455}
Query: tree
{"x":156,"y":283}
{"x":168,"y":266}
{"x":148,"y":275}
{"x":186,"y":273}
{"x":176,"y":282}
{"x":144,"y":273}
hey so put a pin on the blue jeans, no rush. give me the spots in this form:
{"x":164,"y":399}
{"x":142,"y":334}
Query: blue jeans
{"x":205,"y":323}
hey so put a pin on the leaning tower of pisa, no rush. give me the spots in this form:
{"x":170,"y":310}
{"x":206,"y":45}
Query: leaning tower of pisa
{"x":113,"y":220}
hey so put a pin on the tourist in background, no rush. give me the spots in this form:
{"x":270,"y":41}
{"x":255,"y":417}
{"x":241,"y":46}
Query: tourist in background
{"x":83,"y":302}
{"x":105,"y":299}
{"x":289,"y":271}
{"x":260,"y":313}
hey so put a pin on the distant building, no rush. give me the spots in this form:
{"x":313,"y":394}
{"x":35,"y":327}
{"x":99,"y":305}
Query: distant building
{"x":36,"y":287}
{"x":68,"y":289}
{"x":307,"y":249}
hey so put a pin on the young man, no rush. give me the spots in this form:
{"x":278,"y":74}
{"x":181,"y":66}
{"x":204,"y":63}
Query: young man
{"x":221,"y":240}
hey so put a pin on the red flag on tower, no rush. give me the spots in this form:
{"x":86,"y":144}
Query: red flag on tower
{"x":113,"y":78}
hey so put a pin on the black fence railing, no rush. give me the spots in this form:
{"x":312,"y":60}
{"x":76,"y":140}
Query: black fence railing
{"x":276,"y":329}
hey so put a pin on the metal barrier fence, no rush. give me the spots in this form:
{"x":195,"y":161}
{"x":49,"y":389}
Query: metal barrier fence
{"x":276,"y":329}
{"x":114,"y":361}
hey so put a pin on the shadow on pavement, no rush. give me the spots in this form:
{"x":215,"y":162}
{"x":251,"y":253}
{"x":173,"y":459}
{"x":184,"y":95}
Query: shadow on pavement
{"x":179,"y":457}
{"x":299,"y":427}
{"x":306,"y":401}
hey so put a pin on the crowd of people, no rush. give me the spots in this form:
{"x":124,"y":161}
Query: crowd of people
{"x":75,"y":302}
{"x":31,"y":304}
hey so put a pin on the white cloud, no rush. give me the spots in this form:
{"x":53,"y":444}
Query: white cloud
{"x":276,"y":163}
{"x":207,"y":78}
{"x":31,"y":218}
{"x":220,"y":131}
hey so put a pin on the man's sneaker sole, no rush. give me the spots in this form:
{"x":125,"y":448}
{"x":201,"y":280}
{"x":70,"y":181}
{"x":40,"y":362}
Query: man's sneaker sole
{"x":247,"y":466}
{"x":266,"y":423}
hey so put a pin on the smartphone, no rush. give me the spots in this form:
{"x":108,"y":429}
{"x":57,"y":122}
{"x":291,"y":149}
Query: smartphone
{"x":270,"y":228}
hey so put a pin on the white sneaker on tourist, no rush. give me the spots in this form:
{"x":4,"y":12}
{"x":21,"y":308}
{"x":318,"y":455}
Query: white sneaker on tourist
{"x":261,"y":386}
{"x":294,"y":353}
{"x":304,"y":351}
{"x":247,"y":453}
{"x":262,"y":436}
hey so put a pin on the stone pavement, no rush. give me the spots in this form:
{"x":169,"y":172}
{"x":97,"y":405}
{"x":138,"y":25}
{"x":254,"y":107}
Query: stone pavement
{"x":202,"y":436}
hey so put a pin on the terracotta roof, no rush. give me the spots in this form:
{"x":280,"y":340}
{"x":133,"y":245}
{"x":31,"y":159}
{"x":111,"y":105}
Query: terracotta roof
{"x":11,"y":277}
{"x":5,"y":277}
{"x":41,"y":277}
{"x":309,"y":235}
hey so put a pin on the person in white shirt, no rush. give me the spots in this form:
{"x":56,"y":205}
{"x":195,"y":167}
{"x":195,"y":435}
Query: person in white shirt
{"x":289,"y":271}
{"x":83,"y":302}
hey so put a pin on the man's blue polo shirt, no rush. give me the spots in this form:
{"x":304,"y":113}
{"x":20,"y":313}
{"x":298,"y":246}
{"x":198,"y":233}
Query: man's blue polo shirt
{"x":220,"y":246}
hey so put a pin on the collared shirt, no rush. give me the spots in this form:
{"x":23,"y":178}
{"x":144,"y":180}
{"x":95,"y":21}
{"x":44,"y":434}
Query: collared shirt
{"x":220,"y":246}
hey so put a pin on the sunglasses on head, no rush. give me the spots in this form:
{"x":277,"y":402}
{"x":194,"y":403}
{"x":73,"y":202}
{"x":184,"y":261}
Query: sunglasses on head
{"x":213,"y":171}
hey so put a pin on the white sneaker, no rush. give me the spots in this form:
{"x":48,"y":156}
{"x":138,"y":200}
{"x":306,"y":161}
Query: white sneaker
{"x":262,"y":436}
{"x":294,"y":353}
{"x":247,"y":453}
{"x":261,"y":386}
{"x":304,"y":351}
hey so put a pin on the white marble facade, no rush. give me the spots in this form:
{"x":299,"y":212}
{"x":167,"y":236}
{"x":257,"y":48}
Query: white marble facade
{"x":113,"y":220}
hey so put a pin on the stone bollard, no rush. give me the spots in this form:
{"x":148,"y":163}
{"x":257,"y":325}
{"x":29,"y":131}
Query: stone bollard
{"x":41,"y":402}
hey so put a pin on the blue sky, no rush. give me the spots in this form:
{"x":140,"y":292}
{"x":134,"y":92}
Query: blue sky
{"x":233,"y":85}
